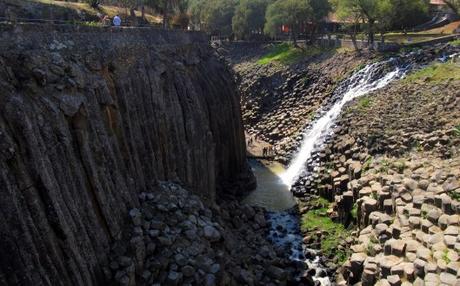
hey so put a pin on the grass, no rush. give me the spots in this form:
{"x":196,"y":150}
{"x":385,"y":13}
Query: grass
{"x":455,"y":43}
{"x":367,"y":165}
{"x":424,"y":214}
{"x":454,"y":195}
{"x":457,"y":130}
{"x":286,"y":53}
{"x":354,"y":211}
{"x":364,"y":103}
{"x":384,"y":166}
{"x":436,"y":73}
{"x":400,"y":166}
{"x":445,"y":257}
{"x":109,"y":10}
{"x":315,"y":220}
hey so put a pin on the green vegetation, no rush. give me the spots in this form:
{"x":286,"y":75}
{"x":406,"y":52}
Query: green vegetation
{"x":380,"y":15}
{"x":436,"y":73}
{"x":400,"y":166}
{"x":375,"y":196}
{"x":457,"y":130}
{"x":249,"y":16}
{"x":354,"y":211}
{"x":384,"y":166}
{"x":363,"y":103}
{"x":329,"y":166}
{"x":286,"y":53}
{"x":294,"y":13}
{"x":455,"y":43}
{"x":424,"y":214}
{"x":367,"y":165}
{"x":417,"y":146}
{"x":317,"y":219}
{"x":445,"y":257}
{"x":321,"y":202}
{"x":455,"y":195}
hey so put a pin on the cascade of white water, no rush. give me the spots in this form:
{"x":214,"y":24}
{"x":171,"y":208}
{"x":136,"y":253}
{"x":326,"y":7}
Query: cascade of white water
{"x":361,"y":83}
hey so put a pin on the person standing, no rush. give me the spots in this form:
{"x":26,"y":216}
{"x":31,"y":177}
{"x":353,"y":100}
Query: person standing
{"x":117,"y":21}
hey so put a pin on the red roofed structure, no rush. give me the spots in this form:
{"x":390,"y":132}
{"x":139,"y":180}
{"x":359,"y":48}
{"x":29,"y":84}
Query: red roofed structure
{"x":437,"y":2}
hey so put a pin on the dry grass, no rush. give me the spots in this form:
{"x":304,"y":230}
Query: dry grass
{"x":447,"y":29}
{"x":111,"y":11}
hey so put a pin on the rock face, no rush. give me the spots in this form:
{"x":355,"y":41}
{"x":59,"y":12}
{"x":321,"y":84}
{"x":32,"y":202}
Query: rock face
{"x":279,"y":101}
{"x":88,"y":120}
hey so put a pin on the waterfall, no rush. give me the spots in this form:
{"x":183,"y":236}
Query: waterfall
{"x":370,"y":78}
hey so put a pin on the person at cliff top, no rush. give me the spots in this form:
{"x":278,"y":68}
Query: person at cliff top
{"x":117,"y":21}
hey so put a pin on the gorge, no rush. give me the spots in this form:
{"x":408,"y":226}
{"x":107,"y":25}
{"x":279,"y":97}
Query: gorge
{"x":124,"y":162}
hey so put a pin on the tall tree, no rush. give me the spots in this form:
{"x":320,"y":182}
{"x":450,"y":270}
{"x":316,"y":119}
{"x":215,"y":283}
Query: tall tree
{"x":249,"y":17}
{"x":375,"y":13}
{"x":351,"y":21}
{"x":292,"y":13}
{"x":195,"y":10}
{"x":409,"y":13}
{"x":319,"y":11}
{"x":217,"y":16}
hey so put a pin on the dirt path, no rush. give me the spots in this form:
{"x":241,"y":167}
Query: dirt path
{"x":255,"y":148}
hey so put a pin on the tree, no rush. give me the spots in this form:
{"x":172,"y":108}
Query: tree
{"x":319,"y":10}
{"x":383,"y":15}
{"x":368,"y":10}
{"x":351,"y":19}
{"x":249,"y":17}
{"x":216,"y":15}
{"x":168,"y":8}
{"x":195,"y":8}
{"x":409,"y":13}
{"x":454,"y":5}
{"x":292,"y":13}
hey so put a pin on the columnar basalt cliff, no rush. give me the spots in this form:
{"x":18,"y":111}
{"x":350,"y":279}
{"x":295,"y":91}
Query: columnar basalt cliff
{"x":89,"y":119}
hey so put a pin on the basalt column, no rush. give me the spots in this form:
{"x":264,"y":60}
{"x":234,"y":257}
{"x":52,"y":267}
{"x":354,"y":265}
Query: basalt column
{"x":88,"y":120}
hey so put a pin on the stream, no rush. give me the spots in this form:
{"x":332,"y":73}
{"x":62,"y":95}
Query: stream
{"x":273,"y":194}
{"x":274,"y":182}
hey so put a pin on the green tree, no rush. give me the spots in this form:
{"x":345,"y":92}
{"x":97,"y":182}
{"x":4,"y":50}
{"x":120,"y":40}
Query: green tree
{"x":376,"y":14}
{"x":195,"y":8}
{"x":216,"y":15}
{"x":319,"y":10}
{"x":351,"y":19}
{"x":383,"y":15}
{"x":168,"y":8}
{"x":292,"y":13}
{"x":409,"y":13}
{"x":249,"y":17}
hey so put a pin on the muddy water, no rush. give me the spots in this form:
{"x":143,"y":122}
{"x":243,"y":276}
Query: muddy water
{"x":271,"y":193}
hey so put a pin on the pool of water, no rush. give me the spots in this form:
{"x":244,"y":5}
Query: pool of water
{"x":274,"y":195}
{"x":271,"y":193}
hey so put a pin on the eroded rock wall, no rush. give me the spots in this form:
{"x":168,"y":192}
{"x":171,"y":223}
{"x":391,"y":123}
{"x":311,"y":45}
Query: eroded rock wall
{"x":88,"y":120}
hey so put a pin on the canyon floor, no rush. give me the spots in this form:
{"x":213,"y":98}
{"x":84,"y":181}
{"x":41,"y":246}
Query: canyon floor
{"x":381,"y":195}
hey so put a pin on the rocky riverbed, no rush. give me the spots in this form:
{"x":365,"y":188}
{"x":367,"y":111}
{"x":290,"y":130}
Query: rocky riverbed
{"x":175,"y":239}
